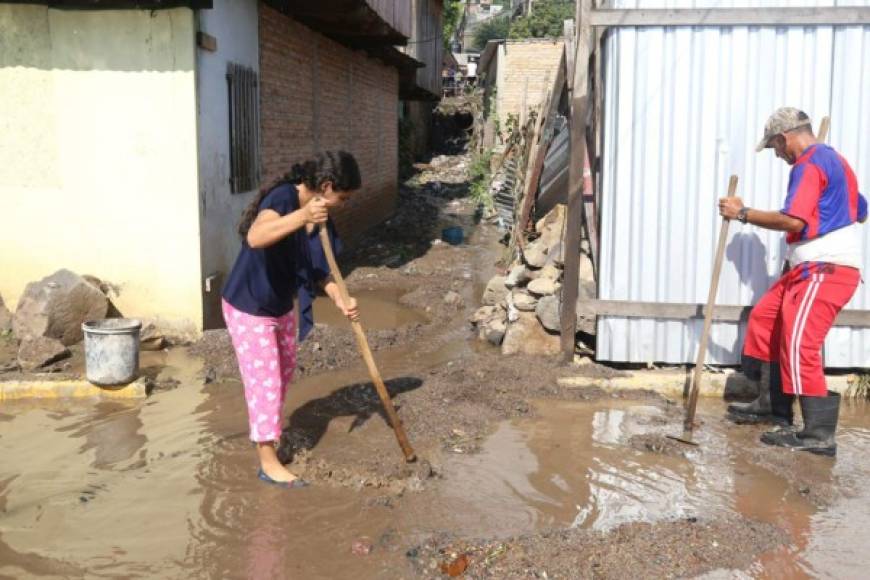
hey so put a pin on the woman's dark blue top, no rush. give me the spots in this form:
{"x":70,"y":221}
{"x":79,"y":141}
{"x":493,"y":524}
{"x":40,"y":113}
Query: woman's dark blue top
{"x":264,"y":281}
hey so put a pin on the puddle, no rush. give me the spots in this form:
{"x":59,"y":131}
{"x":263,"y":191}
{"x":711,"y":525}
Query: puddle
{"x":573,"y":466}
{"x":379,"y":310}
{"x":165,"y":488}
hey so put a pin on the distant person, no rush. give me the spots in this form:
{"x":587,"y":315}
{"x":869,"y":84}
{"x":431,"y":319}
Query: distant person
{"x":275,"y":278}
{"x":787,"y":327}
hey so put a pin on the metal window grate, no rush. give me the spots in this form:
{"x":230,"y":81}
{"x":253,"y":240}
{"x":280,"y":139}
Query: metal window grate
{"x":244,"y":107}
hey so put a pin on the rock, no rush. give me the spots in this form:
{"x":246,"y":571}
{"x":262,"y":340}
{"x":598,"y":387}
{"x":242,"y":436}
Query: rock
{"x":453,"y":299}
{"x":57,"y":306}
{"x":523,"y":301}
{"x":542,"y":287}
{"x":151,"y":339}
{"x":439,"y":161}
{"x":495,"y":291}
{"x":527,"y":336}
{"x":494,"y":330}
{"x":549,"y":310}
{"x":551,"y":225}
{"x":549,"y":272}
{"x":586,"y":276}
{"x":548,"y":313}
{"x":483,"y":314}
{"x":556,"y":255}
{"x":535,"y":254}
{"x":5,"y":318}
{"x":518,"y":276}
{"x":361,"y":547}
{"x":40,"y":351}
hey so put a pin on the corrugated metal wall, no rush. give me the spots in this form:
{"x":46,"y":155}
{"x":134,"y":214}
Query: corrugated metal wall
{"x":684,"y":108}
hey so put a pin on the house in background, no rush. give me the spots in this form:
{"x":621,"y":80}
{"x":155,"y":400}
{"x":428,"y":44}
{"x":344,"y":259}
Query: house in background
{"x":134,"y":136}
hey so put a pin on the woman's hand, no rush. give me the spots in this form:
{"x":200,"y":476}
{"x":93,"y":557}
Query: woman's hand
{"x":351,"y":310}
{"x":316,"y":212}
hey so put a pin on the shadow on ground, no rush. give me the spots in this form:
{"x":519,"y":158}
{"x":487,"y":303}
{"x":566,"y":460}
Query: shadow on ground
{"x":309,"y":422}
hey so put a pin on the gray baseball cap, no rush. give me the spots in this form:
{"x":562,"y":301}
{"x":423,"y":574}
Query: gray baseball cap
{"x":782,"y":120}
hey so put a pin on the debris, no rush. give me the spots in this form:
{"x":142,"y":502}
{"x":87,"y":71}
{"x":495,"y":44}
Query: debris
{"x":151,"y":339}
{"x":456,"y":567}
{"x":40,"y":351}
{"x":56,"y":307}
{"x":453,"y":298}
{"x":361,"y":546}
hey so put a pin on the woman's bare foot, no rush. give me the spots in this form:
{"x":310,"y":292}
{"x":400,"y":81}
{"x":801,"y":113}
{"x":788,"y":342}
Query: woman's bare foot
{"x":270,"y":464}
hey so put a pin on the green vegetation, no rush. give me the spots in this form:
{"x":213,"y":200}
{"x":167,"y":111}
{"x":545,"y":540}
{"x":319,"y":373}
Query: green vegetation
{"x":546,"y":20}
{"x":492,"y":29}
{"x":452,"y":14}
{"x":479,"y":176}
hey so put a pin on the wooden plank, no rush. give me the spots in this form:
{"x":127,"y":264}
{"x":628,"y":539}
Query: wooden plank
{"x":571,"y":241}
{"x":732,"y":16}
{"x":570,"y":50}
{"x":685,"y":311}
{"x":539,"y":147}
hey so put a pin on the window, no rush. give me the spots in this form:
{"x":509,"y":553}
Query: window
{"x":244,"y":105}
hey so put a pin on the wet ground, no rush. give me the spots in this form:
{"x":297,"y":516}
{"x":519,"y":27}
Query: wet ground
{"x":518,"y":477}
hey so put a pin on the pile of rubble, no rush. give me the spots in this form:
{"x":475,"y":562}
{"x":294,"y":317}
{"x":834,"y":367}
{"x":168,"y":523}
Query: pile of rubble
{"x":49,"y":316}
{"x":521,"y":311}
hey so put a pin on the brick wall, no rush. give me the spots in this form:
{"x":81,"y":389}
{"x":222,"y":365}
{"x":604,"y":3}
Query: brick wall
{"x":317,"y":94}
{"x":532,"y":60}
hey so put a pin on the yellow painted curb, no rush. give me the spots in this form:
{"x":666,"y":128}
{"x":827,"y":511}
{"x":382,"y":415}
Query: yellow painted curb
{"x":673,"y":383}
{"x":48,"y":389}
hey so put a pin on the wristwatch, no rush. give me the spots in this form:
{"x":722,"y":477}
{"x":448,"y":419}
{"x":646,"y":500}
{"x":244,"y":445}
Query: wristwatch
{"x":741,"y":215}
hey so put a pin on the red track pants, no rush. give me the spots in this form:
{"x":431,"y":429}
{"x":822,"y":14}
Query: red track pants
{"x":790,"y":322}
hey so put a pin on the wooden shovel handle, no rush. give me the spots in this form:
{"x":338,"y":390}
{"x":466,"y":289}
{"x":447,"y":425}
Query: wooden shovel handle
{"x":708,"y":315}
{"x":366,"y":352}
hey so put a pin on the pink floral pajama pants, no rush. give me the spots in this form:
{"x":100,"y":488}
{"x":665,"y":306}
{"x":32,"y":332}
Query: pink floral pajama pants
{"x":266,"y":350}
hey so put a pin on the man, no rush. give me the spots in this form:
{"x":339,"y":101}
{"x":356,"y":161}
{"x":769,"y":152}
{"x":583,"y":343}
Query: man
{"x":787,"y":327}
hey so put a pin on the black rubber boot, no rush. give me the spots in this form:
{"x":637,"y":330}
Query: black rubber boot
{"x":772,"y":406}
{"x":820,"y":427}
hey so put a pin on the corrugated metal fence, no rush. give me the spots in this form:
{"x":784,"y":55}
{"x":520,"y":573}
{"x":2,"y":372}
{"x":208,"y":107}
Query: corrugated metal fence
{"x":684,"y":108}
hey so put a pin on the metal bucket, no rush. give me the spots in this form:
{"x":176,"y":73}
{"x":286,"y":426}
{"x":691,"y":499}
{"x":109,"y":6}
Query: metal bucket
{"x":112,"y":351}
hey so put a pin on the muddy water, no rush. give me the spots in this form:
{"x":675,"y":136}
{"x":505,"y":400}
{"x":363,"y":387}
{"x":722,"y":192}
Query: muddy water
{"x":573,"y":466}
{"x":165,"y":488}
{"x":379,"y":310}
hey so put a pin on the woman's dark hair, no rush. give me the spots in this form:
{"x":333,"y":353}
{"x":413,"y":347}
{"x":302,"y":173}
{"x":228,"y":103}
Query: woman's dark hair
{"x":339,"y":167}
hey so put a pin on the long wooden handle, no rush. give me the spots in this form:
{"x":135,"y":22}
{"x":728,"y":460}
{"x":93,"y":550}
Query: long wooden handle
{"x":708,"y":315}
{"x":824,"y":126}
{"x":366,"y":352}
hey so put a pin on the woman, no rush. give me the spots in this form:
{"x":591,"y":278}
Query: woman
{"x":280,"y":262}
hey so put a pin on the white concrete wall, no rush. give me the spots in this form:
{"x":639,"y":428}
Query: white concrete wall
{"x":234,"y":25}
{"x":98,"y":161}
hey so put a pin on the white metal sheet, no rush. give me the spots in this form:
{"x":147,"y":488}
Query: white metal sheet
{"x":684,"y":108}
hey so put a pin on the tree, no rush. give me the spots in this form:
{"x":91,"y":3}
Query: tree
{"x":451,"y":15}
{"x":492,"y":29}
{"x":545,"y":21}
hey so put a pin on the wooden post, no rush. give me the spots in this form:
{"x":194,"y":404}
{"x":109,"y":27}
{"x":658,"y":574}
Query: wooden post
{"x":571,"y":241}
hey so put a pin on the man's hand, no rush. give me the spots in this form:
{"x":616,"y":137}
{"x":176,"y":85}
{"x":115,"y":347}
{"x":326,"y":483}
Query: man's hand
{"x":351,"y":310}
{"x":729,"y":207}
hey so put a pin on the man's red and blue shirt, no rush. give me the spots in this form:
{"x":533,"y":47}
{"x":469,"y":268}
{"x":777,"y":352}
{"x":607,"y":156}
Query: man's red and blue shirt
{"x":823,"y":192}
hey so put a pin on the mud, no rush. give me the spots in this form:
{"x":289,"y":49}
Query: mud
{"x":518,"y":476}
